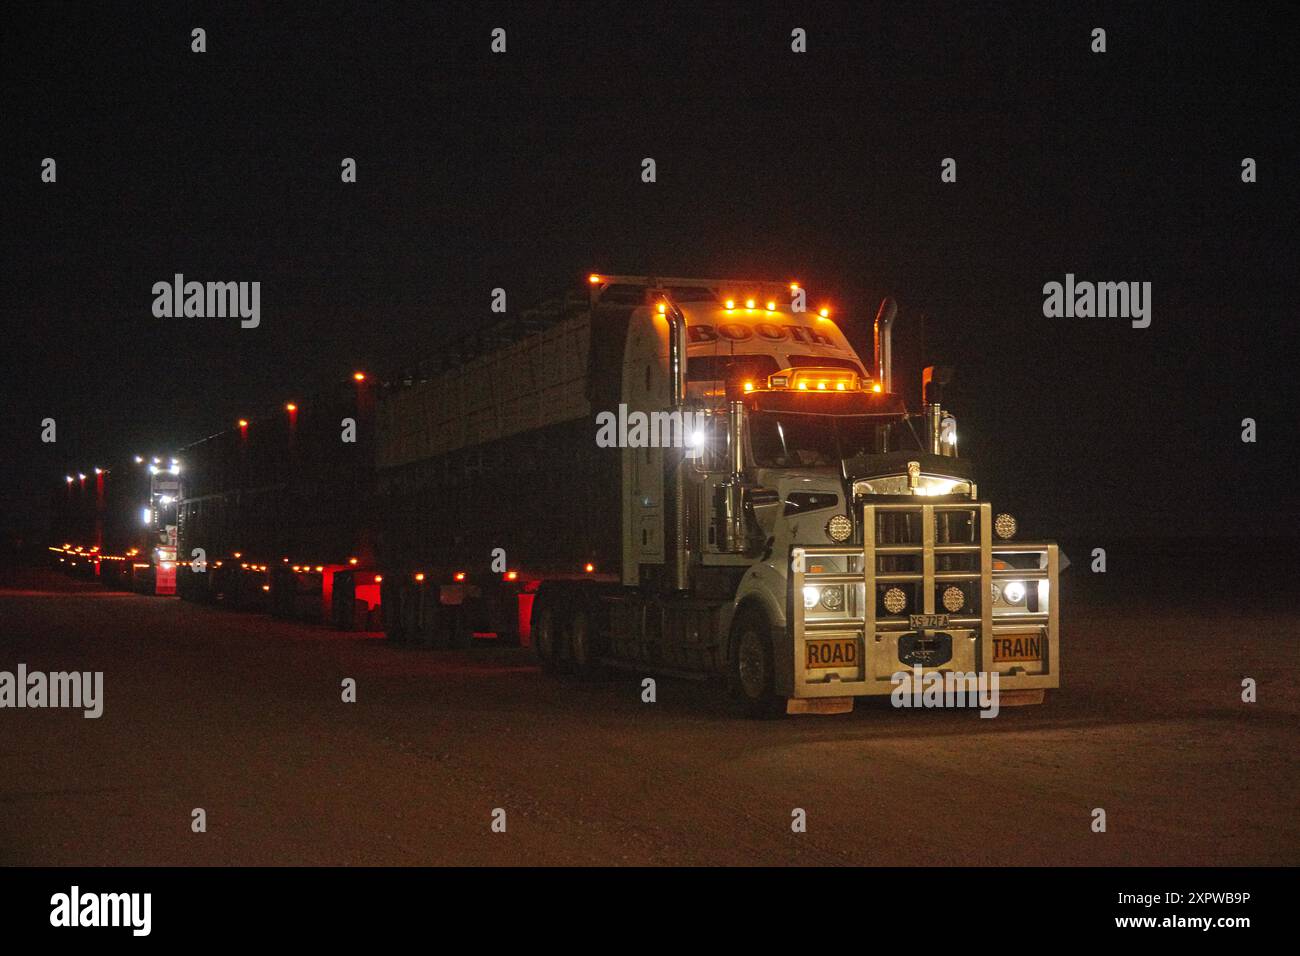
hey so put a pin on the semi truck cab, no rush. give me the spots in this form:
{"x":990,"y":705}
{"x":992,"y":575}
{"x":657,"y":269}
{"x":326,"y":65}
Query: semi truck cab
{"x":814,"y":538}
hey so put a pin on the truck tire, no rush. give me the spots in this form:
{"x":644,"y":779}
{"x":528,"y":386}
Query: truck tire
{"x":585,"y":644}
{"x":751,"y":671}
{"x":546,"y":634}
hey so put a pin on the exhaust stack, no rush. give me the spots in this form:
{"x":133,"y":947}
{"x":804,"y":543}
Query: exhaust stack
{"x":883,"y":342}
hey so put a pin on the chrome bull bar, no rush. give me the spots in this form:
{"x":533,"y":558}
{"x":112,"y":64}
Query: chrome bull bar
{"x":877,"y":636}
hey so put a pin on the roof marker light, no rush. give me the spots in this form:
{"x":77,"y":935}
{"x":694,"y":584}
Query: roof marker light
{"x":730,"y":304}
{"x":749,"y":386}
{"x":824,"y":313}
{"x":749,"y":303}
{"x":876,"y":387}
{"x":771,"y":307}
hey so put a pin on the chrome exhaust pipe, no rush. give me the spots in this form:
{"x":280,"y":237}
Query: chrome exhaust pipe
{"x":883,"y":343}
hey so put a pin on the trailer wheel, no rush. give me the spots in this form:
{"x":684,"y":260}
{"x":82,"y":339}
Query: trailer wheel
{"x":584,"y":645}
{"x":546,"y":635}
{"x":751,"y":671}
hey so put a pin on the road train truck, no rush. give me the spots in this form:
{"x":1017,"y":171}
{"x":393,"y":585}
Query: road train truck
{"x":700,"y":477}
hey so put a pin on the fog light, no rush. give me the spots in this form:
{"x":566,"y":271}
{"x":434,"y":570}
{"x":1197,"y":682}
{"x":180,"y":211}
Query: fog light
{"x":810,"y":597}
{"x":839,"y":529}
{"x":1004,"y":526}
{"x":954,"y":598}
{"x":1014,"y":592}
{"x":895,"y":600}
{"x":832,"y":598}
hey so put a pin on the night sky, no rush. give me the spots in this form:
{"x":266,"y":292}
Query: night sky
{"x":522,"y":171}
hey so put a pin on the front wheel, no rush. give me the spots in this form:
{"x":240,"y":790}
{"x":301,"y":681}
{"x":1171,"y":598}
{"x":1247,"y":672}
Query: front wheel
{"x":752,"y":674}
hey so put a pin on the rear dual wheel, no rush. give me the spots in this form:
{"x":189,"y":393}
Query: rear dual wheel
{"x":567,"y":639}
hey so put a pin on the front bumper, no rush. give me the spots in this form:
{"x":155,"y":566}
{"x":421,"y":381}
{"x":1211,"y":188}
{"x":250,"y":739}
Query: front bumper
{"x":858,"y":651}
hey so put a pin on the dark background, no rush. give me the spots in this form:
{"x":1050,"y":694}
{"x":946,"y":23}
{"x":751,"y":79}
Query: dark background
{"x":523,"y":171}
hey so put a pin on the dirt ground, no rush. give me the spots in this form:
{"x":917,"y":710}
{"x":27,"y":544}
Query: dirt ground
{"x":241,"y":715}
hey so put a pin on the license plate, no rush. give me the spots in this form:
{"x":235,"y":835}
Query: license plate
{"x":927,"y":620}
{"x":1017,"y":647}
{"x":823,"y":652}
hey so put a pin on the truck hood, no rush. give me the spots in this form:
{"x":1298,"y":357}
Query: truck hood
{"x":887,"y":474}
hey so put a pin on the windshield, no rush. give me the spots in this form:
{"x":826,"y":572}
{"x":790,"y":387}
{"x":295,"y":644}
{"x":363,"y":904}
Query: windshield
{"x":788,"y":440}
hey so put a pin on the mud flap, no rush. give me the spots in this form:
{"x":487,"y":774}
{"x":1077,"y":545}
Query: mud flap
{"x":819,"y":705}
{"x":1020,"y":698}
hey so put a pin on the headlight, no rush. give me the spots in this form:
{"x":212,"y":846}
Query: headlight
{"x":895,"y":600}
{"x":1014,"y":592}
{"x":954,"y":598}
{"x":811,"y":595}
{"x":833,"y":598}
{"x":1004,"y":526}
{"x":839,"y":528}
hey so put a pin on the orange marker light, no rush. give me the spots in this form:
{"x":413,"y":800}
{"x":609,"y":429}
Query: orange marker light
{"x":291,"y":407}
{"x":420,"y":576}
{"x":379,"y":579}
{"x":662,"y":308}
{"x":239,"y":554}
{"x":320,"y":567}
{"x":825,"y":313}
{"x":749,"y":386}
{"x":593,"y":279}
{"x":803,"y":385}
{"x":266,"y":587}
{"x":460,"y":575}
{"x":876,"y":387}
{"x":589,"y":568}
{"x":359,"y":376}
{"x":512,"y":575}
{"x":243,"y":423}
{"x":352,"y":560}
